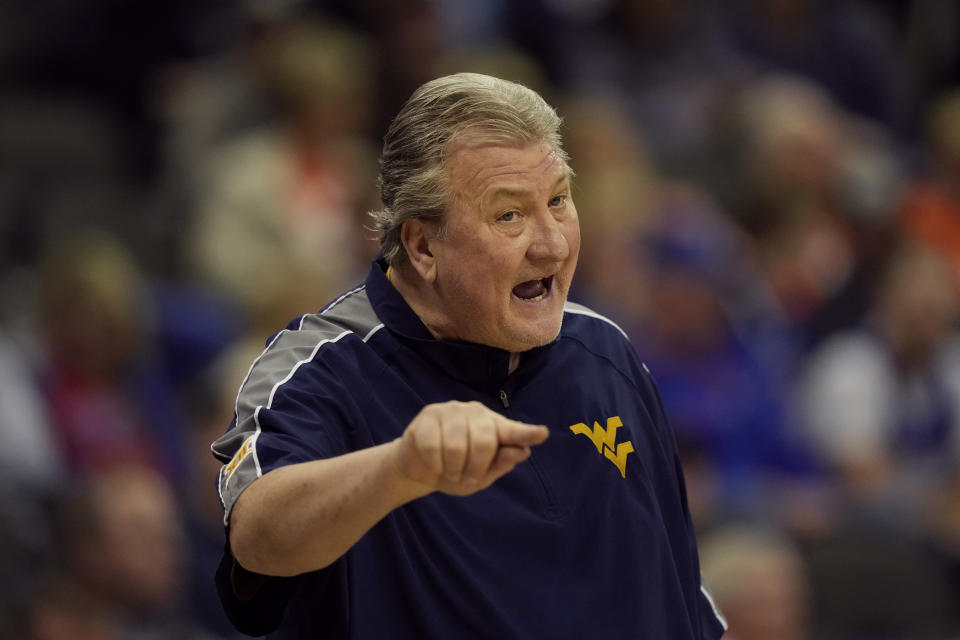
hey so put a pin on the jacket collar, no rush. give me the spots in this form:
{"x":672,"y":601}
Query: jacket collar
{"x":477,"y":365}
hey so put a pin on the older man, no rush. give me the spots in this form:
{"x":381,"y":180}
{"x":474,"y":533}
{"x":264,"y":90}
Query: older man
{"x":374,"y":465}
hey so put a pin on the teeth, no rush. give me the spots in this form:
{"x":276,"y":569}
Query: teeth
{"x":537,"y":298}
{"x":534,"y":299}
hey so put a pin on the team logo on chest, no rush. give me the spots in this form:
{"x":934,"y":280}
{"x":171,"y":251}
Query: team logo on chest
{"x":605,"y":440}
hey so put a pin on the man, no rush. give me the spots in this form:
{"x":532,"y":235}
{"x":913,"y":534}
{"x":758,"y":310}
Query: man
{"x":390,"y":463}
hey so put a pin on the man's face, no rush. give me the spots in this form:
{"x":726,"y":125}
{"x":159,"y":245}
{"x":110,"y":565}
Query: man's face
{"x":509,"y":247}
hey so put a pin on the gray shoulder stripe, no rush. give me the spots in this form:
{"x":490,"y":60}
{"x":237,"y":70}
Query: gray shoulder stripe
{"x":246,"y":378}
{"x":579,"y":309}
{"x":292,"y":342}
{"x":353,"y":312}
{"x":337,"y":301}
{"x":281,"y":359}
{"x":310,"y":357}
{"x":276,"y":366}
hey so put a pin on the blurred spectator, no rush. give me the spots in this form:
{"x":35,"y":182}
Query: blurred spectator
{"x":759,"y":582}
{"x":281,"y":214}
{"x":204,"y":101}
{"x":613,"y":189}
{"x":792,"y":143}
{"x":868,"y":190}
{"x":61,"y":609}
{"x":107,"y":402}
{"x":29,"y":454}
{"x":883,"y":401}
{"x":122,"y":540}
{"x":201,"y":104}
{"x":716,"y":348}
{"x":932,"y":208}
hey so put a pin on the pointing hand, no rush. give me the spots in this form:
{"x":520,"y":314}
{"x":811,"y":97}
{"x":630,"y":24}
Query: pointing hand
{"x":462,"y":447}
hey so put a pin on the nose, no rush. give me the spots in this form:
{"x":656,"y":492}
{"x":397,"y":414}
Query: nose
{"x":549,"y":244}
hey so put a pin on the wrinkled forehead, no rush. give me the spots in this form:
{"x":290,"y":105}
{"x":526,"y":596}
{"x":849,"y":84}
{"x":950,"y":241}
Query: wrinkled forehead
{"x":476,"y":137}
{"x":475,"y":170}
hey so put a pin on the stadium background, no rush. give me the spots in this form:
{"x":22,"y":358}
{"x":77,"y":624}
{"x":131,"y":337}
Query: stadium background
{"x":770,"y":199}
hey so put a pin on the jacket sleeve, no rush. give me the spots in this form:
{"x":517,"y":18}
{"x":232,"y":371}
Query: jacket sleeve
{"x":291,"y":408}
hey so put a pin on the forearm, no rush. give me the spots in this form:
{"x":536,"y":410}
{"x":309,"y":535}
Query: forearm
{"x":303,"y":517}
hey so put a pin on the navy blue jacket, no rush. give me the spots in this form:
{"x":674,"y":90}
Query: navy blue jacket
{"x":589,"y":538}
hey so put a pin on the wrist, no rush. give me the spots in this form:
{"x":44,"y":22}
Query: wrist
{"x":403,"y":484}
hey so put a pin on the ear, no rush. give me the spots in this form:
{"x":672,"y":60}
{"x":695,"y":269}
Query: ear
{"x":417,"y":237}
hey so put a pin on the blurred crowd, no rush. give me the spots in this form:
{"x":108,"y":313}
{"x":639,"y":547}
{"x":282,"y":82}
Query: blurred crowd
{"x":769,"y":193}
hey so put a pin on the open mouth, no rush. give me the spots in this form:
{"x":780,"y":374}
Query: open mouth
{"x":533,"y":290}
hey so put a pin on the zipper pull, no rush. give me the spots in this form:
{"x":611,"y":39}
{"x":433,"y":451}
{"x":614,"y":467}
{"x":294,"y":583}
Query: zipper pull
{"x":503,"y":399}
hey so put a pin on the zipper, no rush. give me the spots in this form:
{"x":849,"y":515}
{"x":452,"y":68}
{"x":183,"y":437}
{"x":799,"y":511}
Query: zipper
{"x":552,"y":507}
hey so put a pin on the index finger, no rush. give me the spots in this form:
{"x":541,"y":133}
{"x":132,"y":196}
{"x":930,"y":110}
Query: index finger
{"x":519,"y":434}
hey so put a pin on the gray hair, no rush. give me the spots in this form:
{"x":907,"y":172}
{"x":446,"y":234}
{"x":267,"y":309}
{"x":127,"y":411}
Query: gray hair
{"x":412,"y":178}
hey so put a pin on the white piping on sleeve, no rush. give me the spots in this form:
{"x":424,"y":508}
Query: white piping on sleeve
{"x":594,"y":314}
{"x":294,"y":370}
{"x":372,"y":331}
{"x":246,"y":378}
{"x":713,"y":605}
{"x":338,"y":300}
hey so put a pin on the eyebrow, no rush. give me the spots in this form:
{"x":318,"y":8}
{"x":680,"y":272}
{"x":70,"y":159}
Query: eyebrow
{"x":514,"y":192}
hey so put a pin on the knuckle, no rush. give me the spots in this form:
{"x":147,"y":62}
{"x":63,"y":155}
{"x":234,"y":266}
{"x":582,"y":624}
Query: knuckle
{"x":425,"y":435}
{"x":429,"y":450}
{"x":454,"y":428}
{"x":422,"y":426}
{"x":427,"y":443}
{"x":455,"y":450}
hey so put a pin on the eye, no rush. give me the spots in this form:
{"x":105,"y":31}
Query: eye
{"x":509,"y":216}
{"x":558,"y":201}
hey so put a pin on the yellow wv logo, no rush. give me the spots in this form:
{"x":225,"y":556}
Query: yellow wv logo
{"x":238,"y":457}
{"x":605,"y":439}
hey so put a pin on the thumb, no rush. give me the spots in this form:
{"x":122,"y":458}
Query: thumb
{"x":506,"y":459}
{"x":520,"y":434}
